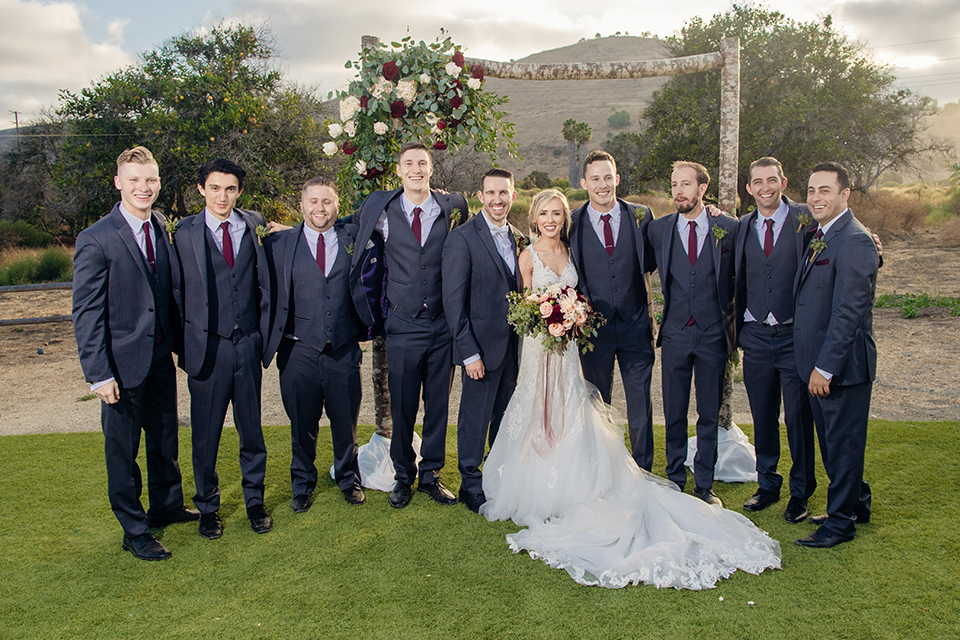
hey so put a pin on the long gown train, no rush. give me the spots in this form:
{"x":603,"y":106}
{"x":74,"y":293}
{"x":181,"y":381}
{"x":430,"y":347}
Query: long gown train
{"x":559,"y":467}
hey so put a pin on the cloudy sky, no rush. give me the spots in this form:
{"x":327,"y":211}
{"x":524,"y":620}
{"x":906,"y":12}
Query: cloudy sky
{"x":48,"y":45}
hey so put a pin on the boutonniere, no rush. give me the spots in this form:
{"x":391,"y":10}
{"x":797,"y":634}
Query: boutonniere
{"x":454,"y":218}
{"x":522,"y":241}
{"x":719,"y":233}
{"x":638,"y":213}
{"x":805,"y":221}
{"x":350,"y":248}
{"x":262,"y":232}
{"x":171,"y":227}
{"x":816,"y":248}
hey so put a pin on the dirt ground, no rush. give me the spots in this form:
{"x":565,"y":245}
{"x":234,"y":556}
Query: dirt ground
{"x":918,"y":372}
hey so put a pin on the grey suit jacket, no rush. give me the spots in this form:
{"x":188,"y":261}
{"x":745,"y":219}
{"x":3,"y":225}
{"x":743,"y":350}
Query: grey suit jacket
{"x":664,"y":238}
{"x":791,"y":225}
{"x":114,"y":307}
{"x":475,"y":286}
{"x":833,"y":318}
{"x":190,"y":280}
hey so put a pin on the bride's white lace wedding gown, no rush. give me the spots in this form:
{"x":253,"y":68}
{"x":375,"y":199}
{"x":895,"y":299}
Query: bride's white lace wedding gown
{"x":559,"y":467}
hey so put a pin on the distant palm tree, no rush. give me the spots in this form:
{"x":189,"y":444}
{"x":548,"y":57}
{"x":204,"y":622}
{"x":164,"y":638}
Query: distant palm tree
{"x":577,"y":135}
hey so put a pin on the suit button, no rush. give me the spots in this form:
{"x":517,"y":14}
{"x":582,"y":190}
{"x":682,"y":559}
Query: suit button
{"x":424,"y":283}
{"x":328,"y":313}
{"x":150,"y":310}
{"x":424,"y":267}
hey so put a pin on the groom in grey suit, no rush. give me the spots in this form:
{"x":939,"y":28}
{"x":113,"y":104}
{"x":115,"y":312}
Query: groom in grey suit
{"x":836,"y":354}
{"x":123,"y":318}
{"x":414,"y":222}
{"x":479,"y":270}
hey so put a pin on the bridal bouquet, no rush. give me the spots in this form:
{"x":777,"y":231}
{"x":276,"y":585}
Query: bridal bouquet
{"x":559,"y":314}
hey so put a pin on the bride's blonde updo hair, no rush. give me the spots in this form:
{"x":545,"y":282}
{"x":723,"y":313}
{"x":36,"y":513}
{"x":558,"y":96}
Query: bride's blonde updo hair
{"x":540,"y":201}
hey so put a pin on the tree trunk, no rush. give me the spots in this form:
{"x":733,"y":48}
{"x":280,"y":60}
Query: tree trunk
{"x":381,"y":392}
{"x":572,"y":154}
{"x":726,"y":403}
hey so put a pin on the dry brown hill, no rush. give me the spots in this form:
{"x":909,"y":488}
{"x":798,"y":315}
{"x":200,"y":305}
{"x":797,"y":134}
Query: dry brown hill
{"x":538,"y":109}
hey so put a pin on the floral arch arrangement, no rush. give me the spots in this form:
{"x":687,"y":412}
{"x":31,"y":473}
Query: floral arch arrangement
{"x":412,"y":92}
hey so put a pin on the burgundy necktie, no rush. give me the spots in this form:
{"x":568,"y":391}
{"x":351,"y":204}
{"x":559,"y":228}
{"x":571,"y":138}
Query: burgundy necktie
{"x":321,"y":255}
{"x":768,"y":238}
{"x":607,"y":234}
{"x":227,"y":243}
{"x":415,"y":225}
{"x":692,"y":242}
{"x":148,"y":241}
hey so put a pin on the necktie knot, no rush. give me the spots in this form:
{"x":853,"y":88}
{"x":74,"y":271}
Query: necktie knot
{"x":501,"y":232}
{"x":818,"y":234}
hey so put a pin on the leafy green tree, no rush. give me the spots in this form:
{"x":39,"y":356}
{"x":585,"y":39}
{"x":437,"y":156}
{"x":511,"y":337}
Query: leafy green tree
{"x":536,"y":180}
{"x":195,"y":98}
{"x":807,"y":94}
{"x":577,"y":134}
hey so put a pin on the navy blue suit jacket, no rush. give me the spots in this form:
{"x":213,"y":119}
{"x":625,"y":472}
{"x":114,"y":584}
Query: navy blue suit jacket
{"x":362,"y":225}
{"x":833,"y":318}
{"x":791,"y":225}
{"x":475,"y":286}
{"x":114,"y":308}
{"x":664,"y":238}
{"x":280,"y":249}
{"x":190,"y":279}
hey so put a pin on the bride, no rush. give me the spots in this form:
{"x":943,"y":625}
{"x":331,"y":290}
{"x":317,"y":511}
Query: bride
{"x":559,"y":467}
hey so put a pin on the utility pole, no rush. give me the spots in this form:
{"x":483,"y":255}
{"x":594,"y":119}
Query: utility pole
{"x":16,"y":120}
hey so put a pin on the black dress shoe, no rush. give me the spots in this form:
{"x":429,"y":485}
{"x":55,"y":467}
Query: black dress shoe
{"x":354,"y":495}
{"x":438,"y":492}
{"x":822,"y":539}
{"x":145,"y":547}
{"x":761,"y":500}
{"x":301,"y":502}
{"x":260,"y":520}
{"x":708,"y":496}
{"x":210,"y":526}
{"x":400,"y":496}
{"x":472,"y":500}
{"x":156,"y":519}
{"x":796,"y":510}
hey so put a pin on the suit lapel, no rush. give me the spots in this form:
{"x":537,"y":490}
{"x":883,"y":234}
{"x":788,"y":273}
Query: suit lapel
{"x":669,"y":234}
{"x":197,"y":233}
{"x":130,"y":242}
{"x":486,"y":237}
{"x":289,"y":249}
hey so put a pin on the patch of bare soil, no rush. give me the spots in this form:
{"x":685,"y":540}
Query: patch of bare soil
{"x":918,"y":371}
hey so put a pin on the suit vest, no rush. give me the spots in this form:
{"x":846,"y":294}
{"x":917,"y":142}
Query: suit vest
{"x":321,"y":309}
{"x":615,"y":282}
{"x":770,"y":280}
{"x":693,"y":290}
{"x":232,"y":294}
{"x":162,"y":286}
{"x":413,"y":272}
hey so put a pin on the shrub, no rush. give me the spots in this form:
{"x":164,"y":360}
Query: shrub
{"x":23,"y":234}
{"x":887,"y":211}
{"x":33,"y":267}
{"x":619,"y":120}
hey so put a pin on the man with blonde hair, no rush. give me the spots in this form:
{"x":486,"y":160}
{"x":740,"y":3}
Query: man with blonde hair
{"x":123,"y":318}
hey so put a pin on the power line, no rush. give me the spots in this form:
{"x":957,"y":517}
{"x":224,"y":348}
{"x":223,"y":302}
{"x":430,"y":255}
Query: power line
{"x":906,"y":44}
{"x":931,"y":75}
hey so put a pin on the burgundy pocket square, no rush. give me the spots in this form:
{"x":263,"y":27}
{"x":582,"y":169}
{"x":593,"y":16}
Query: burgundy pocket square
{"x":723,"y":251}
{"x":820,"y":263}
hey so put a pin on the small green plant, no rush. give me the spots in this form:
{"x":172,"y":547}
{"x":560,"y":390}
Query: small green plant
{"x":618,"y":120}
{"x":89,"y":396}
{"x":910,"y":304}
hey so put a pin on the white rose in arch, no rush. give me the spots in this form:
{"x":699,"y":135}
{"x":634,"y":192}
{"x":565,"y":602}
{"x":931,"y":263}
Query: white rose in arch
{"x":424,"y":78}
{"x":350,"y":128}
{"x":379,"y":128}
{"x":473,"y":83}
{"x":329,"y":148}
{"x":335,"y":130}
{"x":361,"y":166}
{"x":452,"y":69}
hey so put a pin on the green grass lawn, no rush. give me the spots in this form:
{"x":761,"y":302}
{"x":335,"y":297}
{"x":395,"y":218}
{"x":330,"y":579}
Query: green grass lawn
{"x":443,"y":572}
